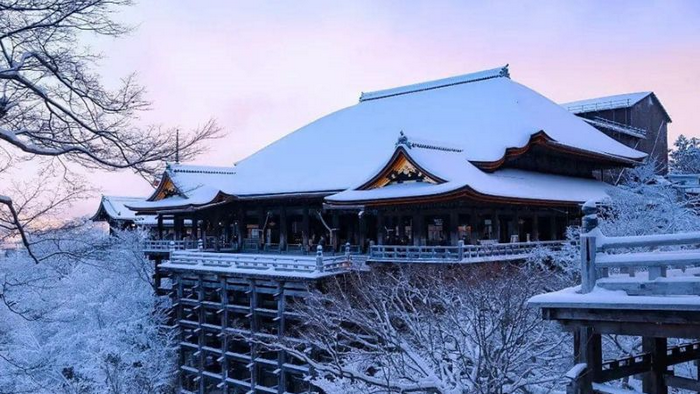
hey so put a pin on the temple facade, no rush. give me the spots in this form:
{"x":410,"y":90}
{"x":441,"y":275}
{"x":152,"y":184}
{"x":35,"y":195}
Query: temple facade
{"x":477,"y":158}
{"x":469,"y":169}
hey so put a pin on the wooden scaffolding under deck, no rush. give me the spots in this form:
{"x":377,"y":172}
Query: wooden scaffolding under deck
{"x":653,"y":295}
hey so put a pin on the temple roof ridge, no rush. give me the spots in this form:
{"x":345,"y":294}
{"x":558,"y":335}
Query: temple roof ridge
{"x":500,"y":72}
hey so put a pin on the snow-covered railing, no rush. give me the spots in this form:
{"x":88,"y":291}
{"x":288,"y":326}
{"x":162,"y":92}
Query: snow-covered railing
{"x":600,"y":254}
{"x":599,"y":106}
{"x":262,"y":262}
{"x":166,"y":245}
{"x":459,"y":253}
{"x":616,"y":126}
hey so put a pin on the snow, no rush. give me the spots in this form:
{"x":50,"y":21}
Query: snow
{"x":484,"y":117}
{"x":605,"y":103}
{"x":607,"y":299}
{"x":461,"y":174}
{"x":480,"y":114}
{"x":440,"y":83}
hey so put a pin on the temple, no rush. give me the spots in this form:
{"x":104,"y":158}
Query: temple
{"x":470,"y":169}
{"x":477,"y":158}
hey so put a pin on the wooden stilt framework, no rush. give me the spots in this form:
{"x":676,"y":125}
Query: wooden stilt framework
{"x":218,"y":315}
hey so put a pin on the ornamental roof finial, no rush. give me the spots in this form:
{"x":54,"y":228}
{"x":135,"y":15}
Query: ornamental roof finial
{"x":504,"y":72}
{"x":403,"y":140}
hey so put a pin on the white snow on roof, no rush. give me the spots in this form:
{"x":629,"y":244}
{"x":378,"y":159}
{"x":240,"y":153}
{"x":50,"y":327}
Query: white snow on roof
{"x":605,"y":103}
{"x":460,"y":173}
{"x":117,"y":208}
{"x":439,"y":83}
{"x":483,"y":114}
{"x":485,"y":117}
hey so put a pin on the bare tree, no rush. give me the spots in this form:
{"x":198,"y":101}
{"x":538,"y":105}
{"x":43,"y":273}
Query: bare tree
{"x":428,"y":330}
{"x":53,"y":104}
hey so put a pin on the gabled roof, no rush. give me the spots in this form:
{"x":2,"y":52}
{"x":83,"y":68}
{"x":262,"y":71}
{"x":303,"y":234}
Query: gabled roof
{"x":459,"y":177}
{"x":116,"y":208}
{"x":617,"y":101}
{"x":485,"y":114}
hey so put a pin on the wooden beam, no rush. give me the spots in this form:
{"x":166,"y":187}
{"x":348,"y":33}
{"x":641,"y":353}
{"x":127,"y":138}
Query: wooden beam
{"x":682,"y":383}
{"x":653,"y":381}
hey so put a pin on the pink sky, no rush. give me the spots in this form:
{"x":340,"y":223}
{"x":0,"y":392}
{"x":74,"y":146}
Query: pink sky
{"x":264,"y":69}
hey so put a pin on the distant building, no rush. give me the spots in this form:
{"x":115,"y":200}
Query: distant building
{"x":637,"y":120}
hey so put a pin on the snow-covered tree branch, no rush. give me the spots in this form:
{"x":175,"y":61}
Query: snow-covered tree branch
{"x":429,"y":330}
{"x":54,"y":105}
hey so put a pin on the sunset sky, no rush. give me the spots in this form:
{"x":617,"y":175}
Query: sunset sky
{"x":264,"y":69}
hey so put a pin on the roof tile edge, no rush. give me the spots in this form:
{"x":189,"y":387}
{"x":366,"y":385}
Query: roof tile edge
{"x":501,"y":72}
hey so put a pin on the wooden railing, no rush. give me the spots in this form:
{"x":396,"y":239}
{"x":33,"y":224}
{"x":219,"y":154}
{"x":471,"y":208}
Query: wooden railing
{"x":600,"y":254}
{"x":166,"y":245}
{"x":459,"y":253}
{"x":262,"y":262}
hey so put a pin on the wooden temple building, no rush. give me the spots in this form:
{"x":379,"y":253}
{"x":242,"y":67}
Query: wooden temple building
{"x":477,"y":158}
{"x":472,"y":168}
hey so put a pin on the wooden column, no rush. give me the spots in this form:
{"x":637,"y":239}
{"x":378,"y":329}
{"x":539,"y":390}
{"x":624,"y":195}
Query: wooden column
{"x":261,"y":225}
{"x":380,"y":228}
{"x":361,"y":230}
{"x":160,"y":227}
{"x":195,"y":227}
{"x":553,"y":227}
{"x":587,"y":350}
{"x":653,"y":382}
{"x":454,"y":223}
{"x":305,"y":228}
{"x":535,"y":228}
{"x":496,"y":227}
{"x":335,"y":226}
{"x":283,"y":228}
{"x":418,"y":229}
{"x":474,"y":224}
{"x":177,"y":226}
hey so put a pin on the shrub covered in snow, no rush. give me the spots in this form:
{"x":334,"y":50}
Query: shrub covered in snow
{"x":85,"y":320}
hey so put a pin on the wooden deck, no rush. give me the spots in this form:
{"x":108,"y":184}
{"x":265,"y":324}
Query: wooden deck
{"x":644,"y":286}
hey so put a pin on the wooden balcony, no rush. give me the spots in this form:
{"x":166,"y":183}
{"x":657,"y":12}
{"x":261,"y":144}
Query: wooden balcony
{"x":266,"y":264}
{"x":458,"y":254}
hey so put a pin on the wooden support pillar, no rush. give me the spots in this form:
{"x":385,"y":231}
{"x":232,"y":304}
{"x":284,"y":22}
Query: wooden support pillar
{"x":535,"y":228}
{"x":195,"y":228}
{"x":653,"y":382}
{"x":262,"y":216}
{"x":160,"y":226}
{"x":496,"y":227}
{"x":380,"y":228}
{"x":454,"y":223}
{"x":305,"y":228}
{"x":418,"y":229}
{"x":283,"y":228}
{"x":361,"y":230}
{"x":553,"y":227}
{"x":177,"y":226}
{"x":335,"y":227}
{"x":587,"y":350}
{"x":474,"y":224}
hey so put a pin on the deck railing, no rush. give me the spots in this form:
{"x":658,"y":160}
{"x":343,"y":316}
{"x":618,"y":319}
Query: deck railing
{"x":319,"y":263}
{"x":459,"y":253}
{"x":600,"y":254}
{"x":166,"y":245}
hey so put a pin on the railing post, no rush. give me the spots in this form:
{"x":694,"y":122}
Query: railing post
{"x":171,"y":246}
{"x":460,"y":250}
{"x":347,"y":250}
{"x":588,"y":269}
{"x":200,"y":244}
{"x":319,"y":258}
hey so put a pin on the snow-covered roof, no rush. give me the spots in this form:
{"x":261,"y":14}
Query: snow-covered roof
{"x":605,"y":103}
{"x":115,"y":208}
{"x":484,"y":114}
{"x":459,"y":175}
